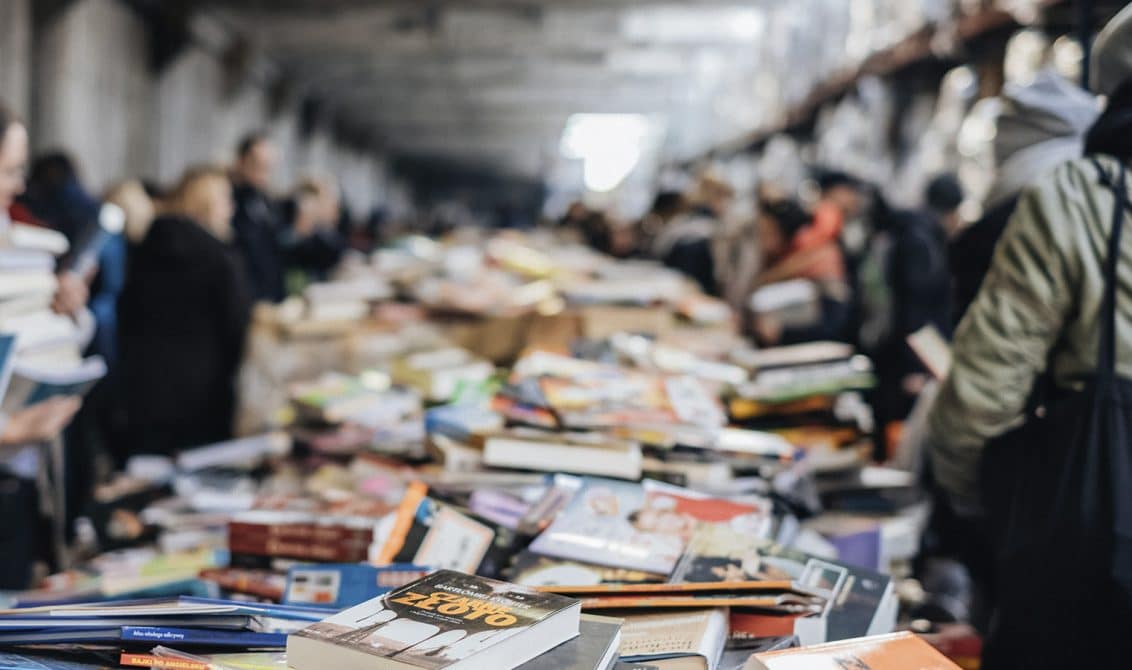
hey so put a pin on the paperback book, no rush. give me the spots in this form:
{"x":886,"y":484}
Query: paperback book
{"x":448,"y":620}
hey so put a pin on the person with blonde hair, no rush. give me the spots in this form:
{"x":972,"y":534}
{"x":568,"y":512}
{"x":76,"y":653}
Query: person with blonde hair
{"x":183,"y":318}
{"x":139,"y":208}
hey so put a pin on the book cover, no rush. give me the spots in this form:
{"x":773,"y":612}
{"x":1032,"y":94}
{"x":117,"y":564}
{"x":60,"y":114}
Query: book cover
{"x":577,"y":453}
{"x":595,"y":648}
{"x":437,"y":622}
{"x":641,"y":527}
{"x":32,"y":384}
{"x":426,"y":532}
{"x":932,"y":349}
{"x":531,"y":569}
{"x":854,"y":594}
{"x":202,"y":637}
{"x":259,"y":583}
{"x":899,"y":651}
{"x":131,"y":660}
{"x":345,"y":585}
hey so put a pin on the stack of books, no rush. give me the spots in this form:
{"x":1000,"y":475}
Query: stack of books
{"x":442,"y":373}
{"x":131,"y":627}
{"x":344,"y":414}
{"x":452,"y":621}
{"x":48,"y":346}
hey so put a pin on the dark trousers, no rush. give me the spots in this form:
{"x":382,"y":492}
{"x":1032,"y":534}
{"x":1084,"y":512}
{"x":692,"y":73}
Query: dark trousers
{"x":21,"y":531}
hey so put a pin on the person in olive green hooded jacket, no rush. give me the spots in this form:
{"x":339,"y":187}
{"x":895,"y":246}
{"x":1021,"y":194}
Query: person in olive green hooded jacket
{"x":1037,"y":311}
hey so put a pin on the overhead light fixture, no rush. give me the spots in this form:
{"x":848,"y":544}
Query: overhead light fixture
{"x":609,"y":145}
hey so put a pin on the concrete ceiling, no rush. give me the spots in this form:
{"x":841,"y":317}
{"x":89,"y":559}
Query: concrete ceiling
{"x":491,"y":83}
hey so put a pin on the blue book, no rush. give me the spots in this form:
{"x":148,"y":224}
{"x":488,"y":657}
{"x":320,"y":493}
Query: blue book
{"x":286,"y":611}
{"x":200,"y":637}
{"x":203,"y":637}
{"x":340,"y":585}
{"x":73,"y":621}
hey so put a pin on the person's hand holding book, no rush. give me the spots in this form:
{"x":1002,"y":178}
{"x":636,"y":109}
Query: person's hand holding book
{"x":40,"y":422}
{"x":72,"y":294}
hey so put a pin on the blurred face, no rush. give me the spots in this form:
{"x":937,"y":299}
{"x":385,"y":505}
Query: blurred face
{"x":13,"y":164}
{"x":331,"y":205}
{"x":258,"y":166}
{"x":209,"y":203}
{"x":850,"y":200}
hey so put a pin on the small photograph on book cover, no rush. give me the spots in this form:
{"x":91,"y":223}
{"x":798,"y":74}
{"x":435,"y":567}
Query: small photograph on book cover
{"x":644,"y":528}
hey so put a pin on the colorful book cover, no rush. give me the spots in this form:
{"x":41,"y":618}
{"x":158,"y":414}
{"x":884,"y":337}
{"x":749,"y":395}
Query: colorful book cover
{"x":438,"y":621}
{"x":426,"y":532}
{"x":130,"y":660}
{"x":641,"y":527}
{"x":345,"y":585}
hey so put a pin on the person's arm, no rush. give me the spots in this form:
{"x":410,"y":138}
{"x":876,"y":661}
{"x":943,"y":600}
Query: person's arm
{"x":38,"y":423}
{"x":1004,"y":342}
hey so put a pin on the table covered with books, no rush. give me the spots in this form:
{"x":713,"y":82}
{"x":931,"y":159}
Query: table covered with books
{"x":504,"y":452}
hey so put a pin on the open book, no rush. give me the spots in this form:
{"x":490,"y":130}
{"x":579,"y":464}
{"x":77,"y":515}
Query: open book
{"x":33,"y":383}
{"x":932,"y":350}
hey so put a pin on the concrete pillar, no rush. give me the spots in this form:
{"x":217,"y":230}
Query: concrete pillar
{"x":94,"y":91}
{"x":15,"y":54}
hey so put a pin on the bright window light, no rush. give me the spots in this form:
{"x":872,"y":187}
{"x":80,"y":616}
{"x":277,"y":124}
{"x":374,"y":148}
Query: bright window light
{"x":679,"y":24}
{"x":609,"y":146}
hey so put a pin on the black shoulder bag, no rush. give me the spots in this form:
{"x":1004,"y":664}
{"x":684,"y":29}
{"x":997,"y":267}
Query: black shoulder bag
{"x":1060,"y":510}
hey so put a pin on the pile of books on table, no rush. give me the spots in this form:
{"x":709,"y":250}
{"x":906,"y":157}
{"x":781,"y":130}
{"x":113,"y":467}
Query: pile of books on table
{"x":448,"y":620}
{"x":677,"y":506}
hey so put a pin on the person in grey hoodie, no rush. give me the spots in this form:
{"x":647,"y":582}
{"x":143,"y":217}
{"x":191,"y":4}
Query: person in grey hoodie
{"x":1041,"y":125}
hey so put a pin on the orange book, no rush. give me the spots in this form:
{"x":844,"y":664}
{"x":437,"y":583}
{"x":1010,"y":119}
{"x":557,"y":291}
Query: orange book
{"x":750,"y":625}
{"x":899,"y":651}
{"x":784,"y":604}
{"x":695,"y":587}
{"x":162,"y":662}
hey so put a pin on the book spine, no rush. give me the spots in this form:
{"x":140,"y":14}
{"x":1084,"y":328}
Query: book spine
{"x":196,"y":636}
{"x":299,"y":550}
{"x":299,"y":532}
{"x":164,"y":662}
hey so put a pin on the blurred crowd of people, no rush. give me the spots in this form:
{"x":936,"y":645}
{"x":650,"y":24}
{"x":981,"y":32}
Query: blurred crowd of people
{"x":1027,"y":436}
{"x":171,"y":298}
{"x":1022,"y":294}
{"x":878,"y":273}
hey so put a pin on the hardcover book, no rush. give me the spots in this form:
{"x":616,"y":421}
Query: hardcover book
{"x":448,"y":620}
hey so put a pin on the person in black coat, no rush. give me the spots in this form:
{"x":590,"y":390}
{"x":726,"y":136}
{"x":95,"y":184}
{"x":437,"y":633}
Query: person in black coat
{"x":259,"y":224}
{"x":184,"y":316}
{"x":920,"y":283}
